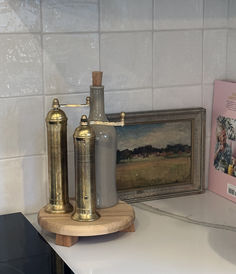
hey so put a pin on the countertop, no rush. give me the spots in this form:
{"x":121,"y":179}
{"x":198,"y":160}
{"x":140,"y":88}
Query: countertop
{"x":191,"y":234}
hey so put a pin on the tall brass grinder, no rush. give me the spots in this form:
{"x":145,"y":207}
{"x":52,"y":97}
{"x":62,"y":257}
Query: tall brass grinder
{"x":56,"y":122}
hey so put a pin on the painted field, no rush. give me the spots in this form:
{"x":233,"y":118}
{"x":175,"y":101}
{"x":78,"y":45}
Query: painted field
{"x":158,"y":170}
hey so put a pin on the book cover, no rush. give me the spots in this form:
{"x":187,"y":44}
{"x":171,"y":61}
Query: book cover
{"x":222,"y":166}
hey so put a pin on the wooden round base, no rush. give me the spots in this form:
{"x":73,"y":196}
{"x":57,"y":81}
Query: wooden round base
{"x":112,"y":219}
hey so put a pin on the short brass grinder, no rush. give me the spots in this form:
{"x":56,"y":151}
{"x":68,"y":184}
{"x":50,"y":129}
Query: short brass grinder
{"x":56,"y":122}
{"x":85,"y":185}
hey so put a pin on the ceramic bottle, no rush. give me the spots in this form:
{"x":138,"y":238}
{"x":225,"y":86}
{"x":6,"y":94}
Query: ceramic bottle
{"x":105,"y":147}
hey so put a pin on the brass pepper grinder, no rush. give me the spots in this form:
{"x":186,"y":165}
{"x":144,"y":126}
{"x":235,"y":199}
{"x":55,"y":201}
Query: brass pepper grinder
{"x":56,"y":122}
{"x":85,"y":185}
{"x":105,"y":145}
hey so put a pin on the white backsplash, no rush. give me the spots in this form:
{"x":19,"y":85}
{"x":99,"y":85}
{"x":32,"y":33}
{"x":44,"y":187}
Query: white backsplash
{"x":180,"y":14}
{"x":21,"y":65}
{"x":69,"y":16}
{"x":177,"y":58}
{"x":155,"y":54}
{"x":126,"y":59}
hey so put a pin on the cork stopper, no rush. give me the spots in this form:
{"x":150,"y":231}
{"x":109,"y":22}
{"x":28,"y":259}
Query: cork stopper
{"x":97,"y":78}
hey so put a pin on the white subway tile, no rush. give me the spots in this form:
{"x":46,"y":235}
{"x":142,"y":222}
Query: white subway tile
{"x":232,"y":14}
{"x":126,"y":59}
{"x":73,"y":114}
{"x":126,"y":15}
{"x":177,"y":97}
{"x":69,"y":16}
{"x":131,"y":100}
{"x":22,"y":185}
{"x":19,"y":16}
{"x":177,"y":58}
{"x":207,"y":99}
{"x":69,"y":61}
{"x":34,"y":182}
{"x":231,"y":56}
{"x":156,"y":67}
{"x":21,"y":67}
{"x":181,"y":14}
{"x":216,"y":13}
{"x":21,"y":126}
{"x":11,"y":187}
{"x":214,"y":55}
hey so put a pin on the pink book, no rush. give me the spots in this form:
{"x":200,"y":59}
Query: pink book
{"x":222,"y":169}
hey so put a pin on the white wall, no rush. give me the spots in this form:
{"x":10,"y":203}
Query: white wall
{"x":155,"y":54}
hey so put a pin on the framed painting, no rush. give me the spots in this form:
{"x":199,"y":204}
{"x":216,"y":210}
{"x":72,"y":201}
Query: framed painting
{"x":160,"y":154}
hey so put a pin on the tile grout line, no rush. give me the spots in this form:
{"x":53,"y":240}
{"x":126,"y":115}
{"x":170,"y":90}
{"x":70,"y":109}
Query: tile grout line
{"x":22,"y":156}
{"x":42,"y":71}
{"x":203,"y":34}
{"x":21,"y":96}
{"x":227,"y":42}
{"x":153,"y":53}
{"x":99,"y":35}
{"x":202,"y":86}
{"x":111,"y":32}
{"x":44,"y":99}
{"x":106,"y":91}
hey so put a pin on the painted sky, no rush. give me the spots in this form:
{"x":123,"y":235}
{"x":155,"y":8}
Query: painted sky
{"x":157,"y":135}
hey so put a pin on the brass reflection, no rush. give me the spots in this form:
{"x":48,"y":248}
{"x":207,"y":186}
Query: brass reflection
{"x":56,"y":122}
{"x":85,"y":186}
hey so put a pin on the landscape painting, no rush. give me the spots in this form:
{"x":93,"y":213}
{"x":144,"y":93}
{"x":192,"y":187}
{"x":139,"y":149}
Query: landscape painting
{"x":154,"y":154}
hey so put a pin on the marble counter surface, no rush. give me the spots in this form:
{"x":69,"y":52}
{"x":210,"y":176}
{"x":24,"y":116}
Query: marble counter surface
{"x":192,"y":234}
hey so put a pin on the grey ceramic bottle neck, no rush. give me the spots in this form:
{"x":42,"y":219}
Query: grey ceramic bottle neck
{"x":97,"y":112}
